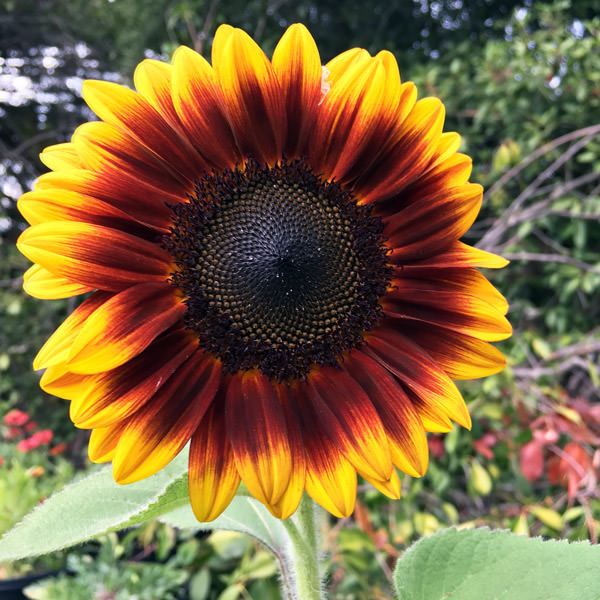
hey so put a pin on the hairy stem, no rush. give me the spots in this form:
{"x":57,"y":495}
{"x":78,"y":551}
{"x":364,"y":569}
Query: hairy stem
{"x":302,"y":578}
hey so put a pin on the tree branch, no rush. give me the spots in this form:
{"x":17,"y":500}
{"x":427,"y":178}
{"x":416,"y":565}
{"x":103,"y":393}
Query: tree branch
{"x":492,"y":238}
{"x":557,"y":258}
{"x":569,"y":137}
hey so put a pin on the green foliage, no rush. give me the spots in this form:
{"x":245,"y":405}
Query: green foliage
{"x":473,"y":564}
{"x":25,"y":324}
{"x":95,"y":505}
{"x":537,"y":81}
{"x":108,"y":577}
{"x":160,"y":563}
{"x":25,"y":481}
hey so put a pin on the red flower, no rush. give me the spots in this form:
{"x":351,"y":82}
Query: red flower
{"x":13,"y":432}
{"x":16,"y":417}
{"x":37,"y":439}
{"x":58,"y":449}
{"x":42,"y":437}
{"x":25,"y":445}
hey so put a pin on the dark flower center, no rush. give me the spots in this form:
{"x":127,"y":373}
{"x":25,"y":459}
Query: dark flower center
{"x":280,"y":269}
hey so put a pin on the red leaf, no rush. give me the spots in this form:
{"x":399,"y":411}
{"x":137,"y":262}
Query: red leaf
{"x":532,"y":460}
{"x":436,"y":445}
{"x":483,"y":447}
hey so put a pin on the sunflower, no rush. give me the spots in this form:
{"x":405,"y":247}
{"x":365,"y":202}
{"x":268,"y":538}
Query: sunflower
{"x":270,"y":255}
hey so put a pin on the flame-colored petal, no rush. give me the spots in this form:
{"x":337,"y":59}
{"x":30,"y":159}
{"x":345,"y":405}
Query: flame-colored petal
{"x":94,"y":256}
{"x":457,"y":254}
{"x":297,"y":64}
{"x":354,"y":427}
{"x":57,"y":347}
{"x":451,"y":172}
{"x":252,"y":94}
{"x":451,"y":309}
{"x":129,"y":193}
{"x":432,"y":224}
{"x":340,"y":64}
{"x":404,"y":429}
{"x":105,"y":147}
{"x":257,"y":430}
{"x":419,"y":372}
{"x":358,"y":116}
{"x":122,"y":107}
{"x":200,"y":106}
{"x":103,"y":442}
{"x":213,"y":476}
{"x":465,"y":280}
{"x":390,"y":487}
{"x":417,"y":139}
{"x":152,"y":80}
{"x":41,"y":206}
{"x":461,"y":356}
{"x":330,"y":478}
{"x":158,"y":431}
{"x":292,"y":495}
{"x":123,"y":327}
{"x":113,"y":395}
{"x":59,"y":381}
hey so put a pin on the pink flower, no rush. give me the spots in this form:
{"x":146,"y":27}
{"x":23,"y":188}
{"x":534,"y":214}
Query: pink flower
{"x":42,"y":437}
{"x":16,"y":417}
{"x":37,"y":439}
{"x":13,"y":432}
{"x":25,"y":445}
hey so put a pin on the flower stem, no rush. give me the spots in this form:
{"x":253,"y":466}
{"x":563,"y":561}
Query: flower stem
{"x":301,"y":574}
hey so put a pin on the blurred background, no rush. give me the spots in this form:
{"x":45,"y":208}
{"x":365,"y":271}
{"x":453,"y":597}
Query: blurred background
{"x":521,"y":83}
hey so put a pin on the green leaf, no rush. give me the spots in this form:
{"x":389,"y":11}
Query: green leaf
{"x":200,"y":585}
{"x":548,"y":516}
{"x":497,"y":565}
{"x":95,"y":505}
{"x":233,"y":592}
{"x":245,"y":515}
{"x":479,"y":482}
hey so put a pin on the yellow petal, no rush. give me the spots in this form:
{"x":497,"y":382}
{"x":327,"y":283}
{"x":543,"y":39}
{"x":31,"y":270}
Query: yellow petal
{"x":56,"y":349}
{"x":213,"y":477}
{"x":41,"y":283}
{"x":59,"y":381}
{"x":390,"y":487}
{"x":61,"y":157}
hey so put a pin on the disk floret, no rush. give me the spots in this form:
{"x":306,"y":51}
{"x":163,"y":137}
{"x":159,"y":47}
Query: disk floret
{"x":280,"y":269}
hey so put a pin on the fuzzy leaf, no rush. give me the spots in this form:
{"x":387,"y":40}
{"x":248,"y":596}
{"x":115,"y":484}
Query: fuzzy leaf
{"x":95,"y":505}
{"x":245,"y":515}
{"x":497,"y":565}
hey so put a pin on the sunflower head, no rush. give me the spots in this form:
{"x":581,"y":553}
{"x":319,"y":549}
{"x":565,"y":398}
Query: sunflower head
{"x":270,"y":255}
